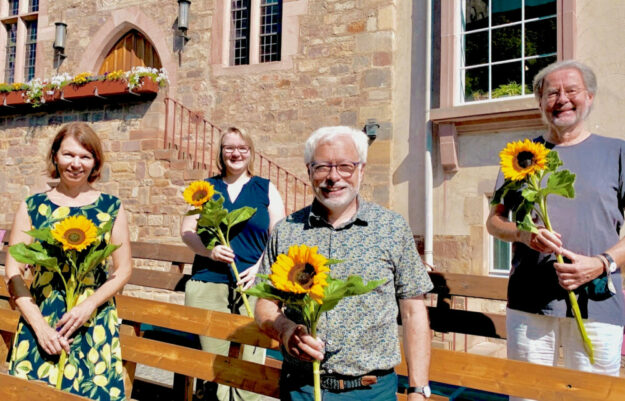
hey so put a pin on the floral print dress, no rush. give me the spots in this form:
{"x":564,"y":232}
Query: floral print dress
{"x":94,"y":365}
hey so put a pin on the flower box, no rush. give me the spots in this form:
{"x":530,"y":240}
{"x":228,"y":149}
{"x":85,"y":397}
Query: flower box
{"x":147,"y":86}
{"x":109,"y":88}
{"x":51,"y":96}
{"x":73,"y":91}
{"x":14,"y":97}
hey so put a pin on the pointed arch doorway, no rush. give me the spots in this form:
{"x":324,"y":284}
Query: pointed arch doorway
{"x":132,"y":50}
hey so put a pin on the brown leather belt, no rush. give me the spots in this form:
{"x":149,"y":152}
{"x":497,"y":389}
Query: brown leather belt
{"x":340,"y":382}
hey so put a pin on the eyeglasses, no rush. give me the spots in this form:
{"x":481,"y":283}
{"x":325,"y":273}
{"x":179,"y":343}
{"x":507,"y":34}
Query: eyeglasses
{"x":345,"y":169}
{"x":553,"y":94}
{"x":229,"y":149}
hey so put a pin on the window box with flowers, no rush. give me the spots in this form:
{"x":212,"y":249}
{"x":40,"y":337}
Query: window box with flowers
{"x":140,"y":80}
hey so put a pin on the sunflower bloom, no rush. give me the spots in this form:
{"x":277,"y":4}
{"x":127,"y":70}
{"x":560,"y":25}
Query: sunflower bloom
{"x":302,"y":271}
{"x":198,"y":193}
{"x":75,"y":232}
{"x":522,"y":159}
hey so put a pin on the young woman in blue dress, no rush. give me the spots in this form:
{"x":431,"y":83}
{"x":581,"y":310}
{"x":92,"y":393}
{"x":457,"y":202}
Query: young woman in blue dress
{"x":212,"y":285}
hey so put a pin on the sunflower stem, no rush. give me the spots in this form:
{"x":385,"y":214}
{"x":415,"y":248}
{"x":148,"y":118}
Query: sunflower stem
{"x":316,"y":364}
{"x":70,"y":301}
{"x":572,"y":298}
{"x":233,"y":265}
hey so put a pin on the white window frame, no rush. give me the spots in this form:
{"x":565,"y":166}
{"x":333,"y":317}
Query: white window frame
{"x":491,"y":254}
{"x":460,"y":99}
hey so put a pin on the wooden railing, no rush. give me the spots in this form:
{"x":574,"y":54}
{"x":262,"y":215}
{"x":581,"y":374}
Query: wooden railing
{"x":458,"y":369}
{"x":195,"y":139}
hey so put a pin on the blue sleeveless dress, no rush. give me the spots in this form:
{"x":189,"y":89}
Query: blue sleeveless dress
{"x":94,"y":365}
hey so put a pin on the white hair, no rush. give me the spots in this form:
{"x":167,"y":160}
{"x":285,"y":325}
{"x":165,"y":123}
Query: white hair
{"x":326,"y":134}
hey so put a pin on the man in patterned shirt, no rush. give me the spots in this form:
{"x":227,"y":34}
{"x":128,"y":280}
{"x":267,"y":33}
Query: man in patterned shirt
{"x":358,"y":340}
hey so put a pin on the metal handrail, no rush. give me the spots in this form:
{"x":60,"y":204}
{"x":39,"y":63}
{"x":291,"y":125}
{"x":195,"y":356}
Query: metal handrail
{"x":197,"y":143}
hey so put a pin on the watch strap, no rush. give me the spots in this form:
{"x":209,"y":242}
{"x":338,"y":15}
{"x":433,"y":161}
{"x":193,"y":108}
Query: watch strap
{"x":610,"y":268}
{"x":424,"y":390}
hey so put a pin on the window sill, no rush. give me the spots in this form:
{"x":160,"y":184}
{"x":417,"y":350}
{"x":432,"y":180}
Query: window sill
{"x":492,"y":116}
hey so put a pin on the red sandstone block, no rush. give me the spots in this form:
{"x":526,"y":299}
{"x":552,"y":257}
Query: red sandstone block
{"x":131,"y":146}
{"x":149,"y":144}
{"x":382,"y":59}
{"x":193,"y":174}
{"x":143,"y":134}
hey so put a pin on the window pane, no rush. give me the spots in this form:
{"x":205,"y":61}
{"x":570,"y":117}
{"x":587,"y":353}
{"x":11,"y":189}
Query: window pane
{"x":539,"y":8}
{"x":9,"y":65}
{"x":476,"y":84}
{"x":33,"y":6}
{"x":240,"y":32}
{"x":476,"y":48}
{"x":31,"y":50}
{"x":534,"y":65}
{"x":501,"y":255}
{"x":506,"y":43}
{"x":507,"y":80}
{"x":270,"y":30}
{"x":14,"y":7}
{"x":476,"y":14}
{"x":540,"y":37}
{"x":506,"y":11}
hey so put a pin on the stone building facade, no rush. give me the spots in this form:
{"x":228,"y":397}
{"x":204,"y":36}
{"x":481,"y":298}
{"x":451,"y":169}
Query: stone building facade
{"x":342,"y":62}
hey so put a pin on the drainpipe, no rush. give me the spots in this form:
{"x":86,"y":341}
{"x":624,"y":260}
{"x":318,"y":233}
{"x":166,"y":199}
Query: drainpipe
{"x":428,"y":236}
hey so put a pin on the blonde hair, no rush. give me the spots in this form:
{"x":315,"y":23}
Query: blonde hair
{"x":221,"y":167}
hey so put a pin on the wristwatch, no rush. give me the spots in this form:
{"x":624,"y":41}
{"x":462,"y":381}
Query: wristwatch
{"x":609,"y":269}
{"x":425,"y":390}
{"x":612,"y":266}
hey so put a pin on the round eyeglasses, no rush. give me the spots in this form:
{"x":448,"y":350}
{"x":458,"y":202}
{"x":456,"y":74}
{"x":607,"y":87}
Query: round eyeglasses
{"x":229,"y":149}
{"x":344,"y":169}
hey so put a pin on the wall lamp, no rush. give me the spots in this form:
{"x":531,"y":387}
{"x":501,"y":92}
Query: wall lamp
{"x":183,"y":17}
{"x":60,"y":35}
{"x":371,"y":129}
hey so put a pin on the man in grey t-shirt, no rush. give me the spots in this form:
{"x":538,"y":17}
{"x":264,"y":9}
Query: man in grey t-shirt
{"x":539,"y":319}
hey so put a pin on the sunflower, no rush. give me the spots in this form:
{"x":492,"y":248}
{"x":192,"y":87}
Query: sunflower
{"x":75,"y":232}
{"x":302,"y":271}
{"x":198,"y":193}
{"x":522,"y":159}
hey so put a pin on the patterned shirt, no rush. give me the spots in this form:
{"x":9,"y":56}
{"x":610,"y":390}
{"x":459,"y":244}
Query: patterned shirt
{"x":361,"y":332}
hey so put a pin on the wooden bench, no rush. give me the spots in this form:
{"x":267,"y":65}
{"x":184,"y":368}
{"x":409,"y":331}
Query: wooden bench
{"x":458,"y":369}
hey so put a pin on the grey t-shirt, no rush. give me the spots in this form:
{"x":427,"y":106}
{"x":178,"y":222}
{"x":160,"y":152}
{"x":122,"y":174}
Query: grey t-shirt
{"x":589,"y":224}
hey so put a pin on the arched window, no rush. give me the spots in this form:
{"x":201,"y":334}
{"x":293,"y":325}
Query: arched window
{"x":131,"y":51}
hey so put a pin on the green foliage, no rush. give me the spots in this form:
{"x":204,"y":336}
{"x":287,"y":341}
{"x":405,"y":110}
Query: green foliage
{"x":510,"y":89}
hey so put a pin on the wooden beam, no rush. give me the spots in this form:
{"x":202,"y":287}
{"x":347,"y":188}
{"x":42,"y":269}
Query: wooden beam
{"x":467,"y":285}
{"x":521,"y":379}
{"x":204,"y":365}
{"x":15,"y":389}
{"x":172,"y":281}
{"x":162,"y":252}
{"x":225,"y":326}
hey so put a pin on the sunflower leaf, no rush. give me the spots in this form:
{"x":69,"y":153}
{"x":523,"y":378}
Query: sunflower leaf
{"x":43,"y":235}
{"x":33,"y":254}
{"x":94,"y":258}
{"x":339,"y":289}
{"x":508,"y":186}
{"x":267,"y":291}
{"x":212,"y":218}
{"x":560,"y":183}
{"x":530,"y":194}
{"x":527,"y":224}
{"x":239,"y":216}
{"x":193,"y":212}
{"x":333,"y":261}
{"x":553,"y":160}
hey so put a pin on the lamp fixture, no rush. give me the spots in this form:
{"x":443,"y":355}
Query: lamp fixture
{"x":371,"y":129}
{"x":60,"y":35}
{"x":183,"y":17}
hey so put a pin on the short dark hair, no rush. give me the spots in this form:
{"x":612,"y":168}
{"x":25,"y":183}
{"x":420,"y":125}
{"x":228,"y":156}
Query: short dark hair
{"x":87,"y":137}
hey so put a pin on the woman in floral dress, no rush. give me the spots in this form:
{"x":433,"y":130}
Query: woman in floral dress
{"x":89,"y":333}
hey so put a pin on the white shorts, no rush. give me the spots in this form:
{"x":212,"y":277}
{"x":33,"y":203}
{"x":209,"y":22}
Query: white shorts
{"x":537,"y":339}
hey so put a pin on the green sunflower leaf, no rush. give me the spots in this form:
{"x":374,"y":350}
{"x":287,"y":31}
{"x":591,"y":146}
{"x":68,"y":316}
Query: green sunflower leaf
{"x":560,"y":183}
{"x":339,"y":289}
{"x":239,"y":216}
{"x":553,"y":160}
{"x":33,"y":254}
{"x":530,"y":194}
